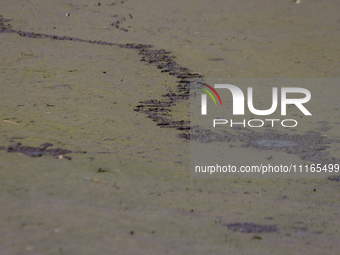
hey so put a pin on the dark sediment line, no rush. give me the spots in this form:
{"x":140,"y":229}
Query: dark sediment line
{"x":159,"y":110}
{"x":39,"y":151}
{"x":247,"y":227}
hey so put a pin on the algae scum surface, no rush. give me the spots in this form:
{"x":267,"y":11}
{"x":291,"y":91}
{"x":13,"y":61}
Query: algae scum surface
{"x":107,"y":134}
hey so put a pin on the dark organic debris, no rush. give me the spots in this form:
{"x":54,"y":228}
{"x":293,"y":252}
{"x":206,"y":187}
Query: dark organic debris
{"x":251,"y":227}
{"x":159,"y":111}
{"x":4,"y":27}
{"x":39,"y":151}
{"x":335,"y":178}
{"x":101,"y":170}
{"x":119,"y":21}
{"x":298,"y":228}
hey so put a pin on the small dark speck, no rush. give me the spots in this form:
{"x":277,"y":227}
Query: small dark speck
{"x":101,"y":170}
{"x":132,"y":232}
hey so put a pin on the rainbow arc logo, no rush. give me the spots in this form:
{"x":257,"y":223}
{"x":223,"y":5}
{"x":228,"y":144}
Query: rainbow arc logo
{"x":204,"y":96}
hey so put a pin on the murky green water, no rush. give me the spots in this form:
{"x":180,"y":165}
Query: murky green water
{"x":81,"y":96}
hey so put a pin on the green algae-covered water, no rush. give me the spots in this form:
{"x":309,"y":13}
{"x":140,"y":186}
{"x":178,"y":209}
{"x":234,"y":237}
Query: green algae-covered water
{"x":81,"y":97}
